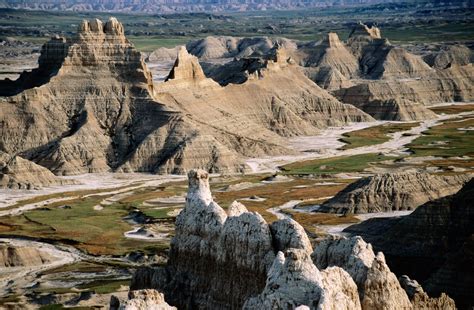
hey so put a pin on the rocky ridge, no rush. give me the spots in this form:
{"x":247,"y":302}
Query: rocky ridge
{"x":91,"y":106}
{"x":394,"y":84}
{"x":271,"y":266}
{"x":452,"y":55}
{"x":367,"y":71}
{"x":19,"y":173}
{"x":438,"y":236}
{"x":11,"y":256}
{"x":393,"y":192}
{"x":213,"y":47}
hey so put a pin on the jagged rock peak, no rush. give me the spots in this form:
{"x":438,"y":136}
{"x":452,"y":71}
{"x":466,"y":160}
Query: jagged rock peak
{"x":294,"y":282}
{"x":378,"y":286}
{"x":142,"y":299}
{"x":111,"y":27}
{"x":332,"y":40}
{"x":236,"y":209}
{"x":19,"y":173}
{"x":186,"y":67}
{"x":199,"y":190}
{"x":288,"y":234}
{"x":363,"y":30}
{"x":421,"y":300}
{"x":96,"y":31}
{"x":279,"y":55}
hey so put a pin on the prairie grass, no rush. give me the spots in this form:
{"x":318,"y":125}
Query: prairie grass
{"x":334,"y":165}
{"x":452,"y":109}
{"x":451,"y":139}
{"x":373,"y":135}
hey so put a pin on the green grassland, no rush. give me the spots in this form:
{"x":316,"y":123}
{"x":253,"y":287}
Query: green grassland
{"x":373,"y":135}
{"x":452,"y":109}
{"x":276,"y":194}
{"x":97,"y":232}
{"x":451,"y":139}
{"x":334,"y":165}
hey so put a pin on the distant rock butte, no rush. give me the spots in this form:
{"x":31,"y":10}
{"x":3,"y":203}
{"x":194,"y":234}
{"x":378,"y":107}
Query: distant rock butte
{"x":19,"y":173}
{"x":234,"y":259}
{"x":186,"y":67}
{"x":213,"y":47}
{"x":363,"y":30}
{"x":393,"y":192}
{"x":91,"y":106}
{"x":26,"y":256}
{"x":367,"y":71}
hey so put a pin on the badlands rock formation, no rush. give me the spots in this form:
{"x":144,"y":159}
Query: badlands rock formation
{"x":276,"y":100}
{"x":19,"y":173}
{"x":386,"y":81}
{"x":224,"y":47}
{"x":140,"y":300}
{"x":330,"y":64}
{"x":91,"y":106}
{"x":86,"y":107}
{"x":393,"y":192}
{"x":453,"y":55}
{"x":367,"y":71}
{"x":378,"y":287}
{"x":438,"y":236}
{"x":234,"y":259}
{"x":11,"y":256}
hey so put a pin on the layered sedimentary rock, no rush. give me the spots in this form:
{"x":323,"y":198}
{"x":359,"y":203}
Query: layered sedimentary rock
{"x":393,"y":192}
{"x":223,"y":47}
{"x":234,"y":259}
{"x":186,"y":67}
{"x":386,"y":81}
{"x":221,"y":260}
{"x":91,"y":106}
{"x":453,"y":55}
{"x":438,"y":236}
{"x":406,"y":99}
{"x":19,"y":173}
{"x":163,"y":54}
{"x":275,"y":100}
{"x":11,"y":256}
{"x":328,"y":78}
{"x":294,"y":281}
{"x":382,"y":101}
{"x":331,"y":52}
{"x":378,"y":287}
